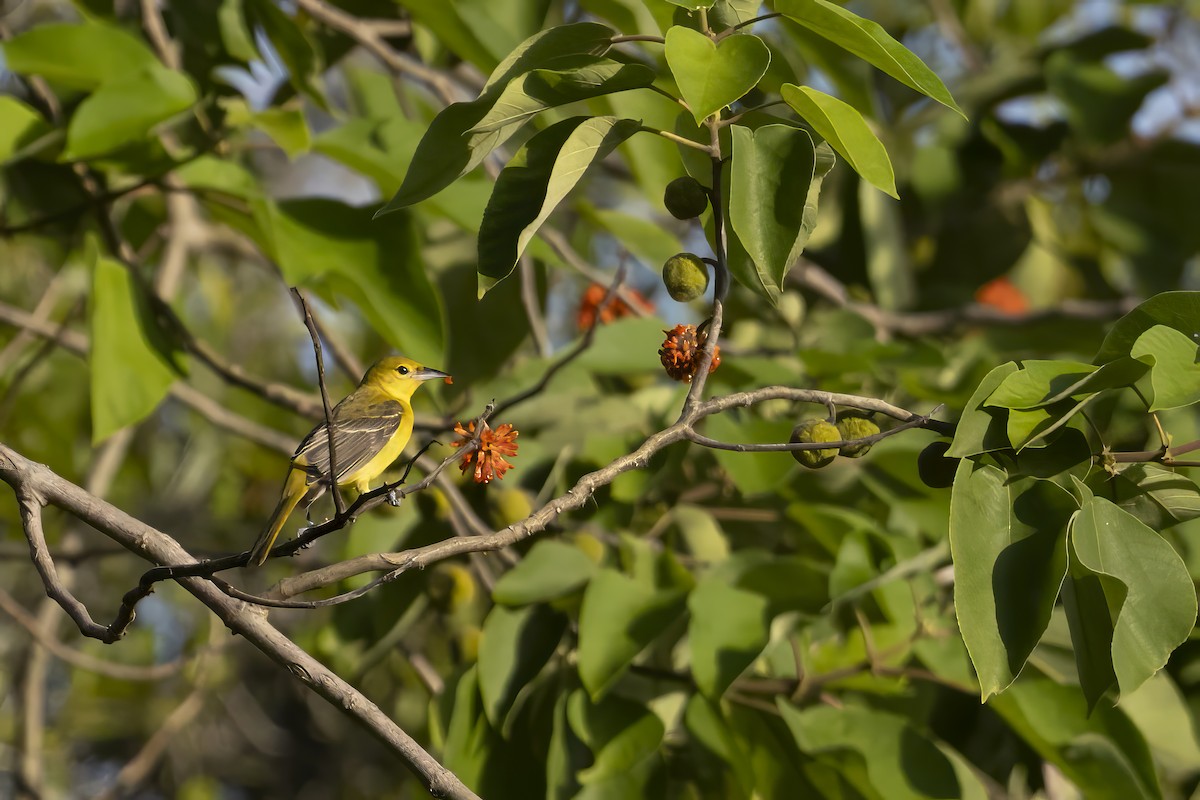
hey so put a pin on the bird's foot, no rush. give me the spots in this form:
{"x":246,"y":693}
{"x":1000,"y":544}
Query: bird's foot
{"x":393,"y":498}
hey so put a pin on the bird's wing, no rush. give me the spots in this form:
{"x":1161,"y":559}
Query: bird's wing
{"x":357,"y":438}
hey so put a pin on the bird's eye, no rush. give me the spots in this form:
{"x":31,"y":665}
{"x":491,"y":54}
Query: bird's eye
{"x":402,"y":370}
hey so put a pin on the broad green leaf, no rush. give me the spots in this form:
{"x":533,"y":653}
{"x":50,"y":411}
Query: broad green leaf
{"x":847,"y":132}
{"x":1008,"y":540}
{"x":704,"y":721}
{"x":727,"y":631}
{"x":752,"y":473}
{"x":1149,"y":592}
{"x":642,"y":236}
{"x":236,"y":37}
{"x":286,"y":126}
{"x":889,"y":266}
{"x":1178,"y":310}
{"x":129,"y":366}
{"x":79,"y":56}
{"x":468,"y":737}
{"x":1157,"y":496}
{"x":1101,"y":752}
{"x":444,"y":20}
{"x":447,"y":151}
{"x":20,"y":126}
{"x":1174,"y":361}
{"x":540,"y":89}
{"x":1089,"y":621}
{"x":537,"y":179}
{"x":291,"y":43}
{"x":896,"y":755}
{"x":870,"y":42}
{"x":513,"y":648}
{"x":771,"y":172}
{"x":692,"y":5}
{"x":1161,"y":713}
{"x":980,"y":429}
{"x":620,"y":733}
{"x":549,"y":571}
{"x":1063,"y":452}
{"x":377,"y":265}
{"x":1038,"y":383}
{"x":618,"y":619}
{"x":123,"y":110}
{"x":712,"y":75}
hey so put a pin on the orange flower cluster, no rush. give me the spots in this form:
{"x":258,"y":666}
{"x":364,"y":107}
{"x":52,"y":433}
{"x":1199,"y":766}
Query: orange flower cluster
{"x":1002,"y":295}
{"x":589,"y":306}
{"x":680,"y":351}
{"x":494,"y":444}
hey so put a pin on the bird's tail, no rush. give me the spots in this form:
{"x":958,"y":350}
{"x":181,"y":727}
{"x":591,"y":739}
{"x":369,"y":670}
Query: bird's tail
{"x":293,"y":489}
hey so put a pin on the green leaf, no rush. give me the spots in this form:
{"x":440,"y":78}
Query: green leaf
{"x":513,"y":648}
{"x":447,"y":151}
{"x":445,"y":21}
{"x":81,"y":56}
{"x":692,"y":5}
{"x":1008,"y":540}
{"x":130,"y":368}
{"x":1150,"y":595}
{"x":1085,"y":606}
{"x":713,"y":75}
{"x":980,"y":429}
{"x":1043,"y":383}
{"x":870,"y":42}
{"x":847,"y":132}
{"x":618,"y":619}
{"x":896,"y":756}
{"x":620,"y":733}
{"x":1161,"y":713}
{"x":468,"y":738}
{"x":772,"y":170}
{"x":1157,"y":496}
{"x":549,"y":571}
{"x":1174,"y":361}
{"x":644,"y":237}
{"x":20,"y":126}
{"x":540,"y":89}
{"x":537,"y":179}
{"x":727,"y":631}
{"x":1178,"y":310}
{"x":376,"y":265}
{"x":1100,"y":752}
{"x":286,"y":127}
{"x":123,"y":110}
{"x":295,"y":49}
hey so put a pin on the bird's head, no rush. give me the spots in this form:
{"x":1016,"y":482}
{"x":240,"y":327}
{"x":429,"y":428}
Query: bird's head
{"x":399,"y":377}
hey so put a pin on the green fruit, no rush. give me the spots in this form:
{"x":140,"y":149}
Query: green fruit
{"x":685,"y":198}
{"x":934,"y":468}
{"x":856,"y":428}
{"x":685,"y":276}
{"x":815,"y":430}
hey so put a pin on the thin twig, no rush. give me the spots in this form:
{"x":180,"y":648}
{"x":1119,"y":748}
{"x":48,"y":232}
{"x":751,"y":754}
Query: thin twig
{"x":338,"y":502}
{"x":532,"y":305}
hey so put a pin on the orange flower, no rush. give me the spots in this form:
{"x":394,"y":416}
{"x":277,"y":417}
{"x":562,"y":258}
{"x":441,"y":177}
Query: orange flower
{"x":488,"y":460}
{"x":680,"y":350}
{"x":593,"y":296}
{"x":1003,"y":296}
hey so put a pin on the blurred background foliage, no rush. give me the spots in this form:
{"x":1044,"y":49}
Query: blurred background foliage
{"x":250,"y":156}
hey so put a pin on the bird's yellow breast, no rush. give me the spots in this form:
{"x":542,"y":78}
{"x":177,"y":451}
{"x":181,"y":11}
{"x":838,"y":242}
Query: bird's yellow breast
{"x":368,"y":472}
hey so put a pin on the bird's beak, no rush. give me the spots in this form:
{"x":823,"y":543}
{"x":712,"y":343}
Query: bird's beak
{"x":429,"y":374}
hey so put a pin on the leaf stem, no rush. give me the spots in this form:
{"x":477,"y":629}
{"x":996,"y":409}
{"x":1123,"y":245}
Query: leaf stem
{"x":674,"y":137}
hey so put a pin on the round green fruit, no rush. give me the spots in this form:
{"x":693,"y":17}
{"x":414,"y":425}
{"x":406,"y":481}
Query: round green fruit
{"x":815,"y":430}
{"x":685,"y":276}
{"x":934,"y":468}
{"x":685,"y":198}
{"x":856,"y":428}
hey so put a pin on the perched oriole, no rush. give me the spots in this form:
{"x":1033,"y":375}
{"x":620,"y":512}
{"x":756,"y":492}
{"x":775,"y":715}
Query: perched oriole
{"x":371,"y":426}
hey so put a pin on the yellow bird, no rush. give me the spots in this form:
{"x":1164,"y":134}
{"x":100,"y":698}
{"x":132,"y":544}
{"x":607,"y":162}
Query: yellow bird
{"x":371,"y":427}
